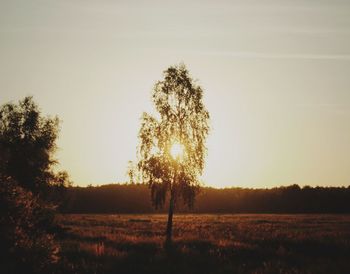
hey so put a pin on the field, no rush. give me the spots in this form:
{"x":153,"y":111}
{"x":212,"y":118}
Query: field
{"x":248,"y":243}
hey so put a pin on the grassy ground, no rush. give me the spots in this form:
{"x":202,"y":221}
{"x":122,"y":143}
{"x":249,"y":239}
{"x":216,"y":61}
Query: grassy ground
{"x":206,"y":244}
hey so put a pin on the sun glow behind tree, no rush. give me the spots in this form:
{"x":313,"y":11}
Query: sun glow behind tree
{"x":177,"y":151}
{"x":172,"y":147}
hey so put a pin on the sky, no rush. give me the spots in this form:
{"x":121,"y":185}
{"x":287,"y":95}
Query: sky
{"x":275,"y":75}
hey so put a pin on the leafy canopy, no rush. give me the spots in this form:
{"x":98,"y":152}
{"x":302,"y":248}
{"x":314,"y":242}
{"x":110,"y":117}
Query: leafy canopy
{"x":182,"y":125}
{"x":30,"y":190}
{"x":27,"y":144}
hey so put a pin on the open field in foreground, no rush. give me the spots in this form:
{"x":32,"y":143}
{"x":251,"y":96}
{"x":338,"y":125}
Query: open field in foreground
{"x":206,"y":244}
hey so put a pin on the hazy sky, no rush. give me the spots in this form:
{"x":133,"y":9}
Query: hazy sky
{"x":275,"y":74}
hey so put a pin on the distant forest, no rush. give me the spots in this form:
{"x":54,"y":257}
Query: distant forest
{"x":135,"y":198}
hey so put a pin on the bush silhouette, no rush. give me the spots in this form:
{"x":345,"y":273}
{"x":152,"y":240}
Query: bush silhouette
{"x":30,"y":189}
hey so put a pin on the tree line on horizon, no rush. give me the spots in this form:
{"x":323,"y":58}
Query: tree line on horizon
{"x":135,"y":198}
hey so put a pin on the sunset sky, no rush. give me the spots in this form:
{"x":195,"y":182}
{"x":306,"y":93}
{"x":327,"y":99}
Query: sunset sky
{"x":275,"y":74}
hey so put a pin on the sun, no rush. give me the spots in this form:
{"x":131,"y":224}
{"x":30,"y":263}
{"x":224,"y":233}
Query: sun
{"x":176,"y":150}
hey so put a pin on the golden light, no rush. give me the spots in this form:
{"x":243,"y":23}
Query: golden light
{"x":176,"y":150}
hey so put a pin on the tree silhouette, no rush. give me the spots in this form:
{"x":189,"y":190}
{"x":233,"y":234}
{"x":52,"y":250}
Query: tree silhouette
{"x":29,"y":188}
{"x":27,"y":144}
{"x":172,"y":146}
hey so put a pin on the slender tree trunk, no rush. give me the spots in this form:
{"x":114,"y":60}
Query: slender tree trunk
{"x":169,"y":229}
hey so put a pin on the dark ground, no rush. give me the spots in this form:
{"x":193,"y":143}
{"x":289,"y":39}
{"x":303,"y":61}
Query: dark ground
{"x":250,"y":243}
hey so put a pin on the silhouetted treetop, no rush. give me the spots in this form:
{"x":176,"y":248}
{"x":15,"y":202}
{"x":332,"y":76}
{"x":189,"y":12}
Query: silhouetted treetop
{"x":183,"y":120}
{"x":27,"y":144}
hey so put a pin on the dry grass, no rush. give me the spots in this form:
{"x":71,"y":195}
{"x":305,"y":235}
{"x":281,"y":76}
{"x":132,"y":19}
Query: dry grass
{"x":206,"y":244}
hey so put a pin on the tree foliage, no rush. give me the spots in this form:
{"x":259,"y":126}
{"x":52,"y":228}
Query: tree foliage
{"x":30,"y":189}
{"x":182,"y":119}
{"x":27,"y":144}
{"x":26,"y":244}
